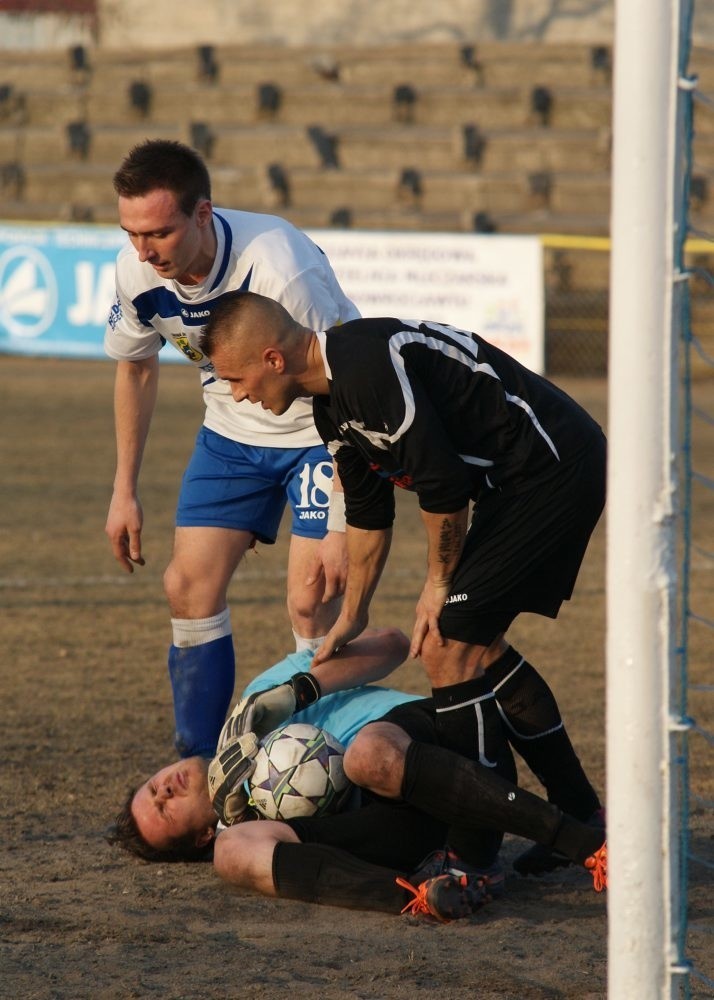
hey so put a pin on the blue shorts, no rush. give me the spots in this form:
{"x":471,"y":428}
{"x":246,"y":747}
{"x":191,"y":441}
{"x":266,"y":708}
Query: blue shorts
{"x":244,"y":487}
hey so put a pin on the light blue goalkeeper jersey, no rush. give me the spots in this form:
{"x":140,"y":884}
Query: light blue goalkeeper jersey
{"x":344,"y":713}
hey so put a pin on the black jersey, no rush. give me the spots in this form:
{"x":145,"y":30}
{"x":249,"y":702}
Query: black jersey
{"x":440,"y":411}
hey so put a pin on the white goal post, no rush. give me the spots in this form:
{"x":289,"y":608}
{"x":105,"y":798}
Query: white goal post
{"x":641,"y":561}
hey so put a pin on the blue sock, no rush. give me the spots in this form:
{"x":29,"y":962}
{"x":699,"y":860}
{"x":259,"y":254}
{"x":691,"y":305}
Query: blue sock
{"x":202,"y":680}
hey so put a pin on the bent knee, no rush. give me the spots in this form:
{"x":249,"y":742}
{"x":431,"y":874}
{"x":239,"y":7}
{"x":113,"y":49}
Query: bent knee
{"x":304,"y":603}
{"x":221,"y":855}
{"x":375,"y":758}
{"x":393,"y":643}
{"x":190,"y":594}
{"x":231,"y":856}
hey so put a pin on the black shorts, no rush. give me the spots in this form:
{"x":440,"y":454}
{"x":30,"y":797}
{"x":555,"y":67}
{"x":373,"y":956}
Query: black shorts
{"x":384,"y":831}
{"x":523,"y":552}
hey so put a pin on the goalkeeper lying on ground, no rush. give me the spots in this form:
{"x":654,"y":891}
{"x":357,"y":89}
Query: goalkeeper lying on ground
{"x":425,"y":835}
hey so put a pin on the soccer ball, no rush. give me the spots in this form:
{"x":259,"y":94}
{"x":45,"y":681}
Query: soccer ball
{"x":299,"y":772}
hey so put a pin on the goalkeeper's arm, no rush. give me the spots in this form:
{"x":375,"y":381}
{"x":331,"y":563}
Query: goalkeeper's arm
{"x":368,"y":658}
{"x":264,"y":711}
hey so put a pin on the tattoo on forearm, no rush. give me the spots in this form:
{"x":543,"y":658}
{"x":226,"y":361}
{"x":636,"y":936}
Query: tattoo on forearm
{"x":450,"y":538}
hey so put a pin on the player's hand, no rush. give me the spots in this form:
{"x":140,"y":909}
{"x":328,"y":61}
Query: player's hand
{"x":343,"y":631}
{"x":263,"y":712}
{"x":330,"y":566}
{"x":123,"y":528}
{"x":428,"y":610}
{"x":227,"y":772}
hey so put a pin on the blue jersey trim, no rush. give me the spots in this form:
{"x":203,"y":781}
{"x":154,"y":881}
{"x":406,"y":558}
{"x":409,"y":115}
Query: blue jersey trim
{"x":165,"y":303}
{"x":227,"y":245}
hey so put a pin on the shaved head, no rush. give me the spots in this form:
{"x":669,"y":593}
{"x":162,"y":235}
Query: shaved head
{"x":246,"y":323}
{"x":256,"y":346}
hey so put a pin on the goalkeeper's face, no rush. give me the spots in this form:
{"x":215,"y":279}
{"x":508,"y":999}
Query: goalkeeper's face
{"x":173,"y":805}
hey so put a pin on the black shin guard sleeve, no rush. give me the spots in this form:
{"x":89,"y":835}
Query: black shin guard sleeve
{"x":466,"y":794}
{"x":316,"y":873}
{"x":537,"y":733}
{"x":576,"y":840}
{"x":524,"y":696}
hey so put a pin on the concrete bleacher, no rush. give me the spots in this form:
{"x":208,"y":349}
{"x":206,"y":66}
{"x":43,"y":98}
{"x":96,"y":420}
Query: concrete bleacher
{"x":464,"y":120}
{"x":409,"y":136}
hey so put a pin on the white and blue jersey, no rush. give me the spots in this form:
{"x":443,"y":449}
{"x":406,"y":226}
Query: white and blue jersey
{"x":257,"y":253}
{"x":344,"y":713}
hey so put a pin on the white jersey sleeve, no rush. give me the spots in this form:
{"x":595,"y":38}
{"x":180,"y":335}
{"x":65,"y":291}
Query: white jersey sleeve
{"x":126,"y":338}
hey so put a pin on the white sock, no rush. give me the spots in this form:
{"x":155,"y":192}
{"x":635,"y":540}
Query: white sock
{"x":197,"y":631}
{"x":302,"y":644}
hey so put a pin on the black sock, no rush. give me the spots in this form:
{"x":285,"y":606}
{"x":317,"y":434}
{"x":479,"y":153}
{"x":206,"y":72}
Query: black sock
{"x":464,"y":793}
{"x":576,"y":840}
{"x":472,"y":798}
{"x":468,"y":722}
{"x":535,"y":729}
{"x":316,"y":873}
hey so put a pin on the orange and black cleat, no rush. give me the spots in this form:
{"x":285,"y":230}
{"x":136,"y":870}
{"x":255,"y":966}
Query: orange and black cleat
{"x":596,"y":864}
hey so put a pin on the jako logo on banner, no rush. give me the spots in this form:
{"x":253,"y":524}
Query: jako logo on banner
{"x":28,"y":292}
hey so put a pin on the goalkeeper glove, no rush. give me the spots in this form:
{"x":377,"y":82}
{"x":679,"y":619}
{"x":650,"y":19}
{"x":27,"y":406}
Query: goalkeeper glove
{"x":263,"y":712}
{"x":227,"y":772}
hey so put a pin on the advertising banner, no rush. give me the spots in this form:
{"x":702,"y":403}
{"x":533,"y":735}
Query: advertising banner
{"x":492,"y":285}
{"x":57,"y":285}
{"x":56,"y":288}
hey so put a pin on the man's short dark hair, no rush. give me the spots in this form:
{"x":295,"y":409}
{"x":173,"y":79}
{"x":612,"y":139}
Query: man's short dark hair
{"x":125,"y":832}
{"x":164,"y":165}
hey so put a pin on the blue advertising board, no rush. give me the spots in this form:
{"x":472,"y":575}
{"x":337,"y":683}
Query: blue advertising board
{"x":56,"y":288}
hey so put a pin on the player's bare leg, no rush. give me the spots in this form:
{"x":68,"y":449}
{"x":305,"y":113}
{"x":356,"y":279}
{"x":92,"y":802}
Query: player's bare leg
{"x":467,"y":715}
{"x":448,"y":661}
{"x":310,"y":616}
{"x":202,"y":565}
{"x":375,"y":758}
{"x":243,"y":854}
{"x":269,"y":858}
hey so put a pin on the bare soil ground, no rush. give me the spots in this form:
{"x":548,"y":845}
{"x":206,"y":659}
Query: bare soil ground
{"x":85,"y":710}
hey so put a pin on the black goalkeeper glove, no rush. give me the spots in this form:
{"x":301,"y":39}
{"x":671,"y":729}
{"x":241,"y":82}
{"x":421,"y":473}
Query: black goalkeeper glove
{"x":263,"y":712}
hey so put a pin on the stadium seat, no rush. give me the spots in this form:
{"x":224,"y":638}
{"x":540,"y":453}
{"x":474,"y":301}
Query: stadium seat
{"x":140,"y":96}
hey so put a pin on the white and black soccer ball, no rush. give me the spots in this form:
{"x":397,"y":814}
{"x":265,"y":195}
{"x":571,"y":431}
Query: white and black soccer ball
{"x":299,"y":772}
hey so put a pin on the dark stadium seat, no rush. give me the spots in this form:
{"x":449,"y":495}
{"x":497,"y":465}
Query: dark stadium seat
{"x":404,"y":99}
{"x":202,"y":138}
{"x":79,"y":139}
{"x":325,"y":145}
{"x":269,"y":99}
{"x":140,"y":97}
{"x":279,"y":183}
{"x":208,"y":68}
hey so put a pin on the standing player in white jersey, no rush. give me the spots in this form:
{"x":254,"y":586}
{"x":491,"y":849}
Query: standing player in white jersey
{"x":181,"y":259}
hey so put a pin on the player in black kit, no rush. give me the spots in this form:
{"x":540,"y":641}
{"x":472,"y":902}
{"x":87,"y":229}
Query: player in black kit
{"x":442,"y":412}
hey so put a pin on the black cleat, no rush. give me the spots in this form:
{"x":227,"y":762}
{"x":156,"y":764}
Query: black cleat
{"x":447,"y":862}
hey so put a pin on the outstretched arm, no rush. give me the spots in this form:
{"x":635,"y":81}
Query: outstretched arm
{"x":369,"y":658}
{"x":135,"y":391}
{"x":445,"y":536}
{"x":367,"y":553}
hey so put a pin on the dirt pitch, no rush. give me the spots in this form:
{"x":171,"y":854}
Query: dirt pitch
{"x":86,"y":710}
